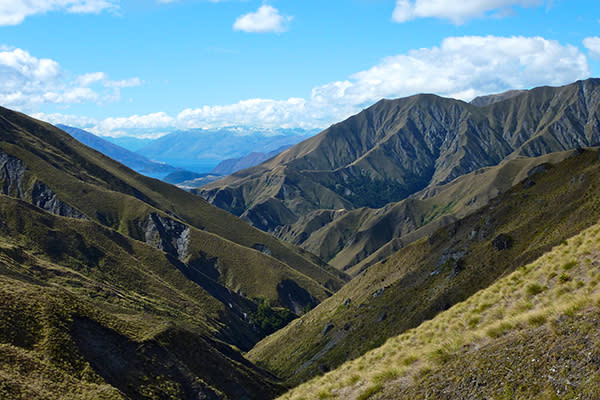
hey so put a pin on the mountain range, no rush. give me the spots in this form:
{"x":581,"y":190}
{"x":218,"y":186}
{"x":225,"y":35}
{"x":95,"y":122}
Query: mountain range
{"x":396,"y":150}
{"x":200,"y":150}
{"x":423,"y":248}
{"x":133,"y":160}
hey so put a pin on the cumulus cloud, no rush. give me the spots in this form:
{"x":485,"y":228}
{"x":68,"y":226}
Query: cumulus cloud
{"x":593,"y":45}
{"x":28,"y":82}
{"x":13,"y":12}
{"x":265,"y":19}
{"x":456,"y":11}
{"x":461,"y":67}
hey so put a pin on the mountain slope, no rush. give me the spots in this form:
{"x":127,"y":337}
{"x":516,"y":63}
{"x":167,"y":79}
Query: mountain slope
{"x":89,"y":313}
{"x":133,"y":160}
{"x":432,"y":274}
{"x":398,"y":147}
{"x":106,"y":259}
{"x":532,"y":334}
{"x":353,"y":240}
{"x":95,"y":186}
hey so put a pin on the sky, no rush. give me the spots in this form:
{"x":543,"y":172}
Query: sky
{"x":147,"y":67}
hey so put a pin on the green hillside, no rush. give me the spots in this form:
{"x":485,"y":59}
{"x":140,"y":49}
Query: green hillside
{"x":354,"y":240}
{"x":115,"y":285}
{"x":51,"y":164}
{"x":89,"y":313}
{"x":530,"y":335}
{"x":434,"y":273}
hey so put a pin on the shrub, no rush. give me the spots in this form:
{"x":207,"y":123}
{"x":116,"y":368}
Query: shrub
{"x":534,"y":289}
{"x":569,"y":265}
{"x":564,"y":278}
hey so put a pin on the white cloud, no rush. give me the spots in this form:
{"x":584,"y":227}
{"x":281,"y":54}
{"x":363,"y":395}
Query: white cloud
{"x":456,"y":11}
{"x":593,"y":45}
{"x":461,"y":67}
{"x":265,"y":19}
{"x":89,"y":78}
{"x":28,"y":82}
{"x":13,"y":12}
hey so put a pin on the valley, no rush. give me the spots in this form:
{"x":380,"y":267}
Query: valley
{"x":411,"y":248}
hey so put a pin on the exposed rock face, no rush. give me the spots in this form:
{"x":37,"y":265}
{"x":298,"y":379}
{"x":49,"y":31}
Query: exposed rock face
{"x":167,"y":234}
{"x":43,"y":197}
{"x":12,"y":171}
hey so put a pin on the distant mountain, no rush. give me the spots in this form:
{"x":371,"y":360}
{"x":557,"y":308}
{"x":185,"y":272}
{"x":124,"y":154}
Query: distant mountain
{"x":131,"y":143}
{"x":228,"y":167}
{"x":398,"y":147}
{"x":133,"y":160}
{"x":201,"y":150}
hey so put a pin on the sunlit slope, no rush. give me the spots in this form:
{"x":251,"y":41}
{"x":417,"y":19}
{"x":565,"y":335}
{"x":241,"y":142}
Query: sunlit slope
{"x":531,"y":335}
{"x":353,"y":240}
{"x":434,"y":273}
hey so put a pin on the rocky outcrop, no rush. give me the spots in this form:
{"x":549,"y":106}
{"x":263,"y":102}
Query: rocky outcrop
{"x":12,"y":171}
{"x":12,"y":174}
{"x":167,"y":234}
{"x":43,"y":197}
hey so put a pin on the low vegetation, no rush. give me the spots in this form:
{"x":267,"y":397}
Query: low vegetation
{"x":529,"y":335}
{"x":432,"y":274}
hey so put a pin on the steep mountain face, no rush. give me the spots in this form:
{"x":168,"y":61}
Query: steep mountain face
{"x":228,"y":167}
{"x":398,"y":147}
{"x":438,"y":271}
{"x":89,"y":313}
{"x":105,"y":258}
{"x":482,"y":101}
{"x":133,"y":160}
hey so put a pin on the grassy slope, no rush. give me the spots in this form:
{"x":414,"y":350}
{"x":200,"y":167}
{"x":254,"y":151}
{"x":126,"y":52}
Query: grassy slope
{"x":110,"y":193}
{"x":433,"y":274}
{"x":531,"y":335}
{"x":356,"y":239}
{"x":89,"y":313}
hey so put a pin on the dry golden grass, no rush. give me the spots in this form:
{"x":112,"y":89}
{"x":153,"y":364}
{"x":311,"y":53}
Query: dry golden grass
{"x":561,"y":282}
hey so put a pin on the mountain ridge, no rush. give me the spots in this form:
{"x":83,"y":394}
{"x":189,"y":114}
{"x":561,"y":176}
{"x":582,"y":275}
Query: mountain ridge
{"x":396,"y":148}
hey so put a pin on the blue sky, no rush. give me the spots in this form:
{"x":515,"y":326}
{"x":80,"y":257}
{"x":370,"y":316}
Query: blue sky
{"x":146,"y":67}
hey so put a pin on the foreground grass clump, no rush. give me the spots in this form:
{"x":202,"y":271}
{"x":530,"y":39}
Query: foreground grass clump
{"x":532,"y":334}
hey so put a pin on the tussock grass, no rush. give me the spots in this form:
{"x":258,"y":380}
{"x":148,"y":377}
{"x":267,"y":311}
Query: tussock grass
{"x":517,"y":301}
